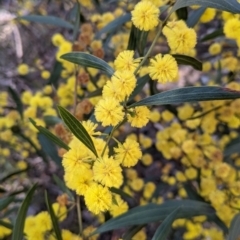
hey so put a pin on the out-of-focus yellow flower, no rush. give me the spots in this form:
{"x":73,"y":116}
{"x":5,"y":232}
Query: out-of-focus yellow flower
{"x":23,"y":69}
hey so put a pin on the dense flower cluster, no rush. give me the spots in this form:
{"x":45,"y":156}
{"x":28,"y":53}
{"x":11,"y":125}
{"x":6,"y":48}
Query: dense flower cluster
{"x":92,"y":177}
{"x":182,"y":149}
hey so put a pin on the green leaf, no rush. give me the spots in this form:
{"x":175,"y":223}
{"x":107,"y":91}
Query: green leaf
{"x":142,"y":41}
{"x":4,"y":202}
{"x":95,"y":93}
{"x":52,"y":120}
{"x":77,"y":129}
{"x":165,"y":227}
{"x":120,"y":192}
{"x":188,"y":94}
{"x":187,"y":60}
{"x":49,"y":148}
{"x":62,"y":186}
{"x":56,"y":228}
{"x":232,"y":147}
{"x":224,"y":5}
{"x":50,"y":20}
{"x":234,"y":231}
{"x":154,"y":212}
{"x":55,"y":74}
{"x":77,"y":21}
{"x":17,"y":100}
{"x":131,"y":232}
{"x":182,"y":13}
{"x":88,"y":60}
{"x":49,"y":135}
{"x":9,"y":175}
{"x":17,"y":233}
{"x":132,"y":41}
{"x":141,"y":82}
{"x":6,"y":224}
{"x":112,"y":26}
{"x":194,"y":16}
{"x":212,"y":35}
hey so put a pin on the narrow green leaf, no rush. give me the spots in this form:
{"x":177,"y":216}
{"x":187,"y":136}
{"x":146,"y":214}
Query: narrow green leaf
{"x":9,"y":175}
{"x":6,"y":224}
{"x":187,"y":60}
{"x":52,"y":120}
{"x":165,"y":227}
{"x":132,"y":41}
{"x":194,"y":16}
{"x":182,"y":13}
{"x":234,"y":231}
{"x":50,"y":20}
{"x":17,"y":233}
{"x":114,"y":25}
{"x":191,"y":193}
{"x":77,"y":129}
{"x":154,"y":212}
{"x":232,"y":147}
{"x":131,"y":232}
{"x":17,"y":100}
{"x":188,"y":94}
{"x":4,"y":202}
{"x":55,"y":74}
{"x":120,"y":192}
{"x":95,"y":93}
{"x":224,"y":5}
{"x":77,"y":22}
{"x":88,"y":60}
{"x":62,"y":186}
{"x":142,"y":41}
{"x":212,"y":35}
{"x":49,"y":135}
{"x":141,"y":82}
{"x":56,"y":228}
{"x":49,"y":148}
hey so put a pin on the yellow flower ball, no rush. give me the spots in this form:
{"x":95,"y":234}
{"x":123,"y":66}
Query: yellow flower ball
{"x":163,"y":68}
{"x":23,"y":69}
{"x":98,"y":199}
{"x":145,"y":15}
{"x":45,"y":74}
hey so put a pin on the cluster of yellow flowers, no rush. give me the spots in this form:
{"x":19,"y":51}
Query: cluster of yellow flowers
{"x":191,"y":141}
{"x":92,"y":177}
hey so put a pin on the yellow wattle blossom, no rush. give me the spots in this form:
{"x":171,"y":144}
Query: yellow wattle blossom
{"x":98,"y":199}
{"x":60,"y":211}
{"x":215,"y":48}
{"x":119,"y":208}
{"x":107,"y":171}
{"x":43,"y":221}
{"x":232,"y":28}
{"x":126,"y":61}
{"x":180,"y":39}
{"x":137,"y":184}
{"x":163,"y":68}
{"x":76,"y":157}
{"x":4,"y":232}
{"x":208,"y":15}
{"x":79,"y":180}
{"x":139,"y":117}
{"x":128,"y":153}
{"x":121,"y":85}
{"x":145,"y":15}
{"x":23,"y":69}
{"x":109,"y":112}
{"x":45,"y":74}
